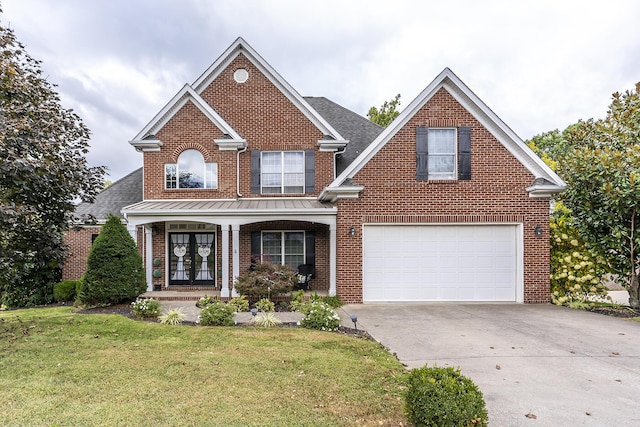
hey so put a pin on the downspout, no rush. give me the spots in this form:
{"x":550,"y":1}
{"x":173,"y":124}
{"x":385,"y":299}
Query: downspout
{"x":335,"y":161}
{"x":238,"y":170}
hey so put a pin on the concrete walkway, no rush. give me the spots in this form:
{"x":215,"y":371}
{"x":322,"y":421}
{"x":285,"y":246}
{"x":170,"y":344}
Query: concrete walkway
{"x":565,"y":367}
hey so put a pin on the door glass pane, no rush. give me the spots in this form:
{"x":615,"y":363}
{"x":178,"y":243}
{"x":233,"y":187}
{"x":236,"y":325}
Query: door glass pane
{"x":180,"y":256}
{"x":204,"y":257}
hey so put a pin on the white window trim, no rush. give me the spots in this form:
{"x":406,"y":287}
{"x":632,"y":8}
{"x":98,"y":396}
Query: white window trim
{"x":282,"y":171}
{"x":282,"y":245}
{"x":449,"y":176}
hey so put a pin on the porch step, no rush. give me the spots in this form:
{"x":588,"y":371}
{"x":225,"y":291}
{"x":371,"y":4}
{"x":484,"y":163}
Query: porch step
{"x":183,"y":295}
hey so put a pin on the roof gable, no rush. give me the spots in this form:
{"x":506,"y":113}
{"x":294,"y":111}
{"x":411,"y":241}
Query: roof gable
{"x":146,"y":137}
{"x":240,"y":46}
{"x":452,"y":84}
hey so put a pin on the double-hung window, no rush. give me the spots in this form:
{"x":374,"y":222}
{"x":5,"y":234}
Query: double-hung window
{"x":283,"y":247}
{"x":191,"y":171}
{"x":282,"y":172}
{"x":442,"y":153}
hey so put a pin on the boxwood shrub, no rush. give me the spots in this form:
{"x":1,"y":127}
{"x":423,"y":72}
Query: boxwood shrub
{"x":64,"y":291}
{"x":443,"y":397}
{"x":217,"y":313}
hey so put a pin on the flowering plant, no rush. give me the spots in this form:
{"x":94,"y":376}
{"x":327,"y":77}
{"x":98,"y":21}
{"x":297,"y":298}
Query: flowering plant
{"x":576,"y":272}
{"x":319,"y":315}
{"x":145,"y":308}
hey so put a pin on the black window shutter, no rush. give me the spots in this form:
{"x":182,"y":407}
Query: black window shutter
{"x":309,"y":171}
{"x":255,"y":171}
{"x":464,"y":153}
{"x":255,"y":245}
{"x":310,"y":243}
{"x":422,"y":153}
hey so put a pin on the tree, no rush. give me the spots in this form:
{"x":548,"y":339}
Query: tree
{"x":42,"y":171}
{"x":387,"y":112}
{"x":114,"y":268}
{"x":602,"y":172}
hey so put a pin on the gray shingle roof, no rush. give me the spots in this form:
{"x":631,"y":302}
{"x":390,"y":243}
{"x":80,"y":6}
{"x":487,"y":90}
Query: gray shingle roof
{"x":358,"y":130}
{"x":125,"y":191}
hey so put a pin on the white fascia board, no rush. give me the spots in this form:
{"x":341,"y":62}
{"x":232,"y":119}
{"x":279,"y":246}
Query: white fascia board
{"x":227,"y":144}
{"x":332,"y":145}
{"x":331,"y":194}
{"x":183,"y":96}
{"x":536,"y":191}
{"x":241,"y":46}
{"x":390,"y":130}
{"x":499,"y":129}
{"x":450,"y":82}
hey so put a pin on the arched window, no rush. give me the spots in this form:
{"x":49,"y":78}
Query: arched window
{"x":191,"y":171}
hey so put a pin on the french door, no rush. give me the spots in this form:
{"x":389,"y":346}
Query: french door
{"x":192,"y":259}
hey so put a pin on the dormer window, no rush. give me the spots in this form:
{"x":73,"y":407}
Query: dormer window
{"x":191,"y":171}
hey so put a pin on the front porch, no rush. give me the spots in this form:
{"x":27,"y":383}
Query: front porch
{"x":193,"y":248}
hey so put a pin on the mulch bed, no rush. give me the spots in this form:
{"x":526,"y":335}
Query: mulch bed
{"x":125,"y":310}
{"x":623,"y":312}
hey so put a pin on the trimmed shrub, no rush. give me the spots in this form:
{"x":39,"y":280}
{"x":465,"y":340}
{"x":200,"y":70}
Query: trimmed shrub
{"x":266,"y":305}
{"x":145,"y":308}
{"x":239,"y":304}
{"x":319,"y":315}
{"x":216,"y":313}
{"x":443,"y":397}
{"x":115,"y":272}
{"x":64,"y":291}
{"x":265,"y":280}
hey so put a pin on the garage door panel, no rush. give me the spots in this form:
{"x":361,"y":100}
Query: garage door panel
{"x":440,"y":263}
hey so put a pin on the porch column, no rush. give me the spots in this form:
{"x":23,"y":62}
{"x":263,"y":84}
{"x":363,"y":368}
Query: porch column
{"x":148,"y":252}
{"x":235,"y":237}
{"x":332,"y":259}
{"x":224,"y":291}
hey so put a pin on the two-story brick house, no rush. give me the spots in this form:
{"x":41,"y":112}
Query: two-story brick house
{"x":445,"y":204}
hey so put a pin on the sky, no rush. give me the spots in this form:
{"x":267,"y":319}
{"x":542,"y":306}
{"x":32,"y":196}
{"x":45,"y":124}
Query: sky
{"x":539,"y":65}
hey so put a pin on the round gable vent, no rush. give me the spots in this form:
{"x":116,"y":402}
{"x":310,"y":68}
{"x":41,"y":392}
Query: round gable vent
{"x":241,"y":75}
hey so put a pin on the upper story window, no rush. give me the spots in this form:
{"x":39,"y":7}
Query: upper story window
{"x":443,"y":153}
{"x":191,"y":171}
{"x":282,"y":172}
{"x":441,"y":161}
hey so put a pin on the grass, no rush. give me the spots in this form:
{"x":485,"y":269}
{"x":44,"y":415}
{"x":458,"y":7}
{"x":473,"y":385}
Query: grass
{"x":63,"y":368}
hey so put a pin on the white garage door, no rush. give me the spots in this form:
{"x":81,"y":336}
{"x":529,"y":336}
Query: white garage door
{"x":440,"y":262}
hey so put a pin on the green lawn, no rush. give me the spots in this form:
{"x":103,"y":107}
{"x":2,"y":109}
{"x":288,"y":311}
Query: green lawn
{"x":63,"y":368}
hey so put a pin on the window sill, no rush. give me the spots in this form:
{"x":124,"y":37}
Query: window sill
{"x":441,"y":181}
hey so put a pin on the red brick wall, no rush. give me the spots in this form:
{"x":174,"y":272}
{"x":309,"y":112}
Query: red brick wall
{"x":78,"y":242}
{"x":496,"y":193}
{"x":258,"y":111}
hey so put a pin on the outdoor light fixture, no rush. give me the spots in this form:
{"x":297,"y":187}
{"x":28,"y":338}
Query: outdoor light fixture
{"x":354,"y":319}
{"x":352,"y":231}
{"x":254,"y":311}
{"x":538,"y":231}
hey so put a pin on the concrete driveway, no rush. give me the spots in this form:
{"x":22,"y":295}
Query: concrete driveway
{"x":564,"y":367}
